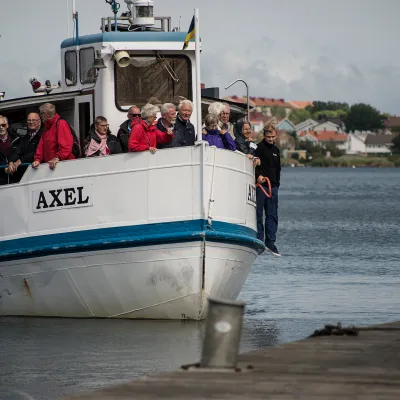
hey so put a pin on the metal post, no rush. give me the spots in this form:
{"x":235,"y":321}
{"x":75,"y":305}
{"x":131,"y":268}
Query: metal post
{"x":222,"y":336}
{"x":198,"y":79}
{"x":247,"y":95}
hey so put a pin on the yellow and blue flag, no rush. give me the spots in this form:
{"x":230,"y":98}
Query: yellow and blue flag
{"x":190,"y":34}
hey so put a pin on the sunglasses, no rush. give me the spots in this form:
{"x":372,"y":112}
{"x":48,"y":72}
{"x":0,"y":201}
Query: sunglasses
{"x":134,"y":115}
{"x":3,"y":125}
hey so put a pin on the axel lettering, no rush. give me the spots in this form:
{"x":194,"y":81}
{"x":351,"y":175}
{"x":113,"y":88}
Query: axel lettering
{"x":55,"y":198}
{"x":42,"y":200}
{"x":70,"y":200}
{"x":80,"y":197}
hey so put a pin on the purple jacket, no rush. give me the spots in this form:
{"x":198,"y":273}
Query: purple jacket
{"x":215,"y":138}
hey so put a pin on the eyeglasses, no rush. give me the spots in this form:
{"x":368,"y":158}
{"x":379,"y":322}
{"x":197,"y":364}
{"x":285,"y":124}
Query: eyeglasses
{"x":3,"y":125}
{"x":32,"y":120}
{"x":133,"y":115}
{"x":104,"y":126}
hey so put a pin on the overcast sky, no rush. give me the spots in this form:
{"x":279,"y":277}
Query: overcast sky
{"x":342,"y":50}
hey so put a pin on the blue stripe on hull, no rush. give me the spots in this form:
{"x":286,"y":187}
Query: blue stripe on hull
{"x":127,"y":236}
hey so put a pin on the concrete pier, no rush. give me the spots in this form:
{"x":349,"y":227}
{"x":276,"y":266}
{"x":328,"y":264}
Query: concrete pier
{"x":336,"y":363}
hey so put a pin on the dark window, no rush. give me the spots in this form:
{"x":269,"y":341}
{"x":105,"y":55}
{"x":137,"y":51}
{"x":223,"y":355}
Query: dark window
{"x":148,"y":78}
{"x":86,"y":60}
{"x":71,"y":67}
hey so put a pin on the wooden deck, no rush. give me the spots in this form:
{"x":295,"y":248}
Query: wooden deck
{"x":365,"y":367}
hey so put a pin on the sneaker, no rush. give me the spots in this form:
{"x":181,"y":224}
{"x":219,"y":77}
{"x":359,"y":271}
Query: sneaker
{"x":272,"y":248}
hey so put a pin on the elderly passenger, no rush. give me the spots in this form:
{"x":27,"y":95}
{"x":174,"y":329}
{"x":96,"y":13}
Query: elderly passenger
{"x":215,"y":137}
{"x":167,"y":121}
{"x":56,"y":142}
{"x":26,"y":148}
{"x":8,"y":141}
{"x":223,"y":112}
{"x":102,"y":142}
{"x":126,"y":127}
{"x":145,"y":136}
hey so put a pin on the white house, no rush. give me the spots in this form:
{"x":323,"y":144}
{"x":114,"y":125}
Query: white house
{"x":355,"y":144}
{"x":327,"y":126}
{"x":306,"y":125}
{"x":379,"y":144}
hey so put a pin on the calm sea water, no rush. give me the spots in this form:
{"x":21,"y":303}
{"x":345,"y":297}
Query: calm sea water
{"x":339,"y":236}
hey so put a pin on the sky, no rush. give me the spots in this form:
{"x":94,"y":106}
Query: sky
{"x":342,"y":50}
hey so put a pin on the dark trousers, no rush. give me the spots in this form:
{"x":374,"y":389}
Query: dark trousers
{"x":270,"y":207}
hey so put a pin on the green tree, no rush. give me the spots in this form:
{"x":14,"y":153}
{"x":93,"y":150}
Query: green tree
{"x":335,"y":152}
{"x":299,"y":115}
{"x":364,"y":117}
{"x":330,"y":114}
{"x":396,"y":144}
{"x":327,"y":105}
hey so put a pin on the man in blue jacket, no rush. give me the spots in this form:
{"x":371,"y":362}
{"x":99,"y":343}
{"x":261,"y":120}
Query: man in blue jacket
{"x":270,"y":168}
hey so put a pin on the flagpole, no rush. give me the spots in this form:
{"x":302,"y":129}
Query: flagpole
{"x":198,"y":78}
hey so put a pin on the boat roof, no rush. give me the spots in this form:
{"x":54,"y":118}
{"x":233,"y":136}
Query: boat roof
{"x":144,"y":36}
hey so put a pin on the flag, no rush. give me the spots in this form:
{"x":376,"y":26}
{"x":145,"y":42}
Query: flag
{"x":190,"y":34}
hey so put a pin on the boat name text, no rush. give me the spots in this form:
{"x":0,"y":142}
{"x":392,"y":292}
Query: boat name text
{"x":251,"y":194}
{"x":67,"y":197}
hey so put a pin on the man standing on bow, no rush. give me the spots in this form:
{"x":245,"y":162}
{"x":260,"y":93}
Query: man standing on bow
{"x":270,"y":168}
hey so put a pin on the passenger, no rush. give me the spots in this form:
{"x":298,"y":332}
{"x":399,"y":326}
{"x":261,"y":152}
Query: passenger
{"x":270,"y":168}
{"x":215,"y":137}
{"x":145,"y":136}
{"x":223,"y":111}
{"x":57,"y":140}
{"x":101,"y":142}
{"x":8,"y":144}
{"x":126,"y":127}
{"x":26,"y":148}
{"x":184,"y":129}
{"x":166,"y":122}
{"x":244,"y":143}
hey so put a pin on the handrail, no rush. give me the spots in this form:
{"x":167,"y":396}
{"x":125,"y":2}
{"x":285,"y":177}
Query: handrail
{"x":20,"y":165}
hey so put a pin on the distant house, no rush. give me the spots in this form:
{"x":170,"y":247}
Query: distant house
{"x":285,"y":125}
{"x":323,"y":138}
{"x":306,"y":125}
{"x":379,"y":144}
{"x":327,"y":126}
{"x":263,"y":104}
{"x":392,"y":125}
{"x":300,"y":105}
{"x":355,"y":144}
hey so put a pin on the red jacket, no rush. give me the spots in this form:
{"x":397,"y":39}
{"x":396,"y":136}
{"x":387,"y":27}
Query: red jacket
{"x":143,"y":137}
{"x":55,"y":142}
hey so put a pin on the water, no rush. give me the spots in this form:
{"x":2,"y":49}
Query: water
{"x":339,"y":235}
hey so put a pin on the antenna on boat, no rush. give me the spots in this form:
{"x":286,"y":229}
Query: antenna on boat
{"x":76,"y":22}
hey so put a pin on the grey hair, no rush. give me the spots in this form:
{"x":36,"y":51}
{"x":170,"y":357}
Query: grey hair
{"x":149,"y":110}
{"x":48,"y":108}
{"x":185,"y":103}
{"x":166,"y":107}
{"x":5,"y":118}
{"x":210,"y":119}
{"x":227,"y":106}
{"x":98,"y":120}
{"x":216,"y":108}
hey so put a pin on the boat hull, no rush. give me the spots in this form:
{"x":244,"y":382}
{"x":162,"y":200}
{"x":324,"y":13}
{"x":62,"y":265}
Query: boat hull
{"x":168,"y":281}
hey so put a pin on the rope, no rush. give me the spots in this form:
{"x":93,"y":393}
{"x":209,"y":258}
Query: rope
{"x":269,"y":195}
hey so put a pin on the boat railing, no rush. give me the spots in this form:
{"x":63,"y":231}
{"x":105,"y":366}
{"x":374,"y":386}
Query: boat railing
{"x":106,"y":23}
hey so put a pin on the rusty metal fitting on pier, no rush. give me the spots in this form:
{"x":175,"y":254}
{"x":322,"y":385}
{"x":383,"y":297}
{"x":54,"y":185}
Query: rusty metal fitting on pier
{"x":222,"y":334}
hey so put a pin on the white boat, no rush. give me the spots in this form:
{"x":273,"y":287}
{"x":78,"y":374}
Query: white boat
{"x":134,"y":235}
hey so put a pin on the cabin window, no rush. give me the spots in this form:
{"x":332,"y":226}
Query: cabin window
{"x":71,"y":67}
{"x":162,"y":77}
{"x":86,"y":60}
